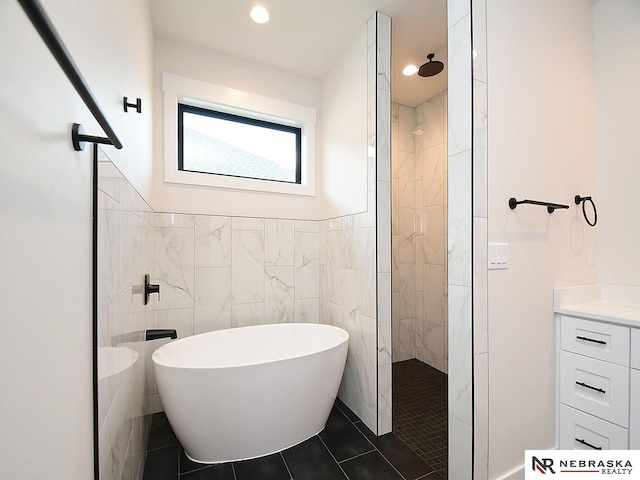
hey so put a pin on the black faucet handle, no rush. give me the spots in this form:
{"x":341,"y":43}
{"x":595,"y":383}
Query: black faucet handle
{"x":150,"y":288}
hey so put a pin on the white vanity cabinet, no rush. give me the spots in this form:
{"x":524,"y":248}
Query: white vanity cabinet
{"x":634,"y":399}
{"x":599,"y":387}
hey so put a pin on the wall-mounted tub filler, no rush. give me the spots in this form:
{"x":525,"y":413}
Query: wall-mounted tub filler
{"x":150,"y":288}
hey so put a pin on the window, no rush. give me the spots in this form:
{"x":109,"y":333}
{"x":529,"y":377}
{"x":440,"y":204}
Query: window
{"x":221,"y":143}
{"x":220,"y":137}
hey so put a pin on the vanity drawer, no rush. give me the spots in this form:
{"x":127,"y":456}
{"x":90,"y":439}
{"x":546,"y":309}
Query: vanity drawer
{"x":596,"y":387}
{"x":595,"y":339}
{"x":634,"y":413}
{"x":635,"y":348}
{"x":581,"y":431}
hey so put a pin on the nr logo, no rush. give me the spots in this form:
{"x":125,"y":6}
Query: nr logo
{"x":543,"y":465}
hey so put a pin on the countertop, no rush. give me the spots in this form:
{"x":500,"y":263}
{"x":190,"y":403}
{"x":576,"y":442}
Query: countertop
{"x":605,"y":303}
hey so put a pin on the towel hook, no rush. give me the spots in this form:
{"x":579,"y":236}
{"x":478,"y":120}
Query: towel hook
{"x":578,"y":199}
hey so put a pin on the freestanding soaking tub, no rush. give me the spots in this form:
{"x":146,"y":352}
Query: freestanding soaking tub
{"x":247,"y":392}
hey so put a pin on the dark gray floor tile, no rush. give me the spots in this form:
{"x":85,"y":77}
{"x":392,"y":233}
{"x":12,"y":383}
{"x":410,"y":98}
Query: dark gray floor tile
{"x":347,"y":411}
{"x":405,"y":460}
{"x":311,"y":460}
{"x":370,"y":466}
{"x":342,"y":438}
{"x":271,"y":467}
{"x":161,"y":434}
{"x":162,"y":464}
{"x":187,"y":465}
{"x":222,"y":471}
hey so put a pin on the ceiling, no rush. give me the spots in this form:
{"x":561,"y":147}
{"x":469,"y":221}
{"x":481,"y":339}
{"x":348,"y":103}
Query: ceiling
{"x":305,"y":37}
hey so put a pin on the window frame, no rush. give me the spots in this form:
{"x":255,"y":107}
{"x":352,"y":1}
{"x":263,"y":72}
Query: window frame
{"x":196,"y":93}
{"x":240,"y":119}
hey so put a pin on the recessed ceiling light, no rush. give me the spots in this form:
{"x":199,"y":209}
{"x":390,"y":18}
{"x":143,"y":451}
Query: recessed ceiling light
{"x":409,"y":70}
{"x":260,"y":14}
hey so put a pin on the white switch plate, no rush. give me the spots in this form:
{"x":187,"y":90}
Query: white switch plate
{"x":498,"y":256}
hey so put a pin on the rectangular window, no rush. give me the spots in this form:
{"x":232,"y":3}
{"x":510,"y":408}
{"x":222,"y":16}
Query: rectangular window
{"x":221,"y":143}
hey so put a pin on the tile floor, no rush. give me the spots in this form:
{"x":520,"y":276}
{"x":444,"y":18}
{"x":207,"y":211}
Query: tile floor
{"x":345,"y":449}
{"x":420,"y":411}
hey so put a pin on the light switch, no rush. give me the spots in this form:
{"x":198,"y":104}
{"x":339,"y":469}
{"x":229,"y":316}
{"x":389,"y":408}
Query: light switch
{"x":498,"y":256}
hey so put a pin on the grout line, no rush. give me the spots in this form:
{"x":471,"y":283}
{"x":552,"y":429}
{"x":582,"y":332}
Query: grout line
{"x":359,"y":455}
{"x":334,"y":458}
{"x":285,"y":464}
{"x":233,"y":469}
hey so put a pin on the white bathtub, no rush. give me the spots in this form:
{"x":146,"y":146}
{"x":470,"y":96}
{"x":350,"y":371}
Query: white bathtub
{"x":247,"y":392}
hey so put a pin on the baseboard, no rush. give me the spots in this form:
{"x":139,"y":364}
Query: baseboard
{"x":515,"y":474}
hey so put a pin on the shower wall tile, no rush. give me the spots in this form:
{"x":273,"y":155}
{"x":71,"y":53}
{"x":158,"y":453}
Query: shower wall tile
{"x":383,"y":132}
{"x":278,"y":236}
{"x":434,"y":250}
{"x":247,"y":265}
{"x":368,"y":339}
{"x":460,"y":211}
{"x":480,"y":286}
{"x":307,"y":311}
{"x":247,"y":314}
{"x":384,"y":319}
{"x":481,"y":415}
{"x":460,"y":373}
{"x":460,"y":452}
{"x":479,"y":20}
{"x":406,"y":125}
{"x":383,"y":60}
{"x":385,"y":395}
{"x":406,"y":180}
{"x":456,"y":10}
{"x":433,"y":121}
{"x":213,"y":299}
{"x":174,"y":266}
{"x":307,"y":226}
{"x":307,"y":265}
{"x":383,"y":229}
{"x":434,"y":174}
{"x":480,"y":166}
{"x":279,"y":306}
{"x":459,"y":130}
{"x":173,"y":220}
{"x":368,"y":283}
{"x":212,"y":241}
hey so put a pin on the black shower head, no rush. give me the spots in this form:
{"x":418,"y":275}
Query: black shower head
{"x":431,"y":68}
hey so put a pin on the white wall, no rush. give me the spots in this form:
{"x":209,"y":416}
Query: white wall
{"x":343,"y":141}
{"x":541,"y":145}
{"x":45,"y":209}
{"x":216,"y":68}
{"x":618,"y":124}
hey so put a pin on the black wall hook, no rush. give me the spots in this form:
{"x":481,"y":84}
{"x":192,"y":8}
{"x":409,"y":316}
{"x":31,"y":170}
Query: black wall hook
{"x":137,"y":105}
{"x":578,"y":199}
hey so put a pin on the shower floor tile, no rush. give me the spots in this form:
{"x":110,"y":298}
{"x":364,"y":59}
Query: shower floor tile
{"x":420,"y":411}
{"x":345,"y":450}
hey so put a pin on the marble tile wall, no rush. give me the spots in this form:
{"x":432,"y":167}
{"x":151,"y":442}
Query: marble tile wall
{"x":350,"y":275}
{"x":382,"y":141}
{"x":222,"y":272}
{"x":404,"y":229}
{"x":460,"y":248}
{"x":125,"y":254}
{"x":480,"y":214}
{"x":419,"y":169}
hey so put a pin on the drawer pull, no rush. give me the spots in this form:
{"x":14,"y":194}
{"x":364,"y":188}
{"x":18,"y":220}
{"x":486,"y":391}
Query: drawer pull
{"x":582,"y":384}
{"x":579,"y":440}
{"x":587,"y":339}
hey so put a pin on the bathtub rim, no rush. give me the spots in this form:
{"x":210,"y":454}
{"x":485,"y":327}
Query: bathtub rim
{"x":343,"y":332}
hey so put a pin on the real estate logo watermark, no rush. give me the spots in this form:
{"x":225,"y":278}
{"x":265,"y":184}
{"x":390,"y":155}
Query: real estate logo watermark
{"x":582,"y":464}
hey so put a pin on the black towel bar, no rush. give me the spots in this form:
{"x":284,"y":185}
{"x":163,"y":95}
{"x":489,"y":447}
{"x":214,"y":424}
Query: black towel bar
{"x":513,"y":203}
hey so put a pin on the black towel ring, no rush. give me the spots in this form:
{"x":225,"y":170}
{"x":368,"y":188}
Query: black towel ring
{"x":578,"y":199}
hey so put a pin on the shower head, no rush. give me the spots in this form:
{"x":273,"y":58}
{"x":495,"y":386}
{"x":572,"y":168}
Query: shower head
{"x":431,"y":68}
